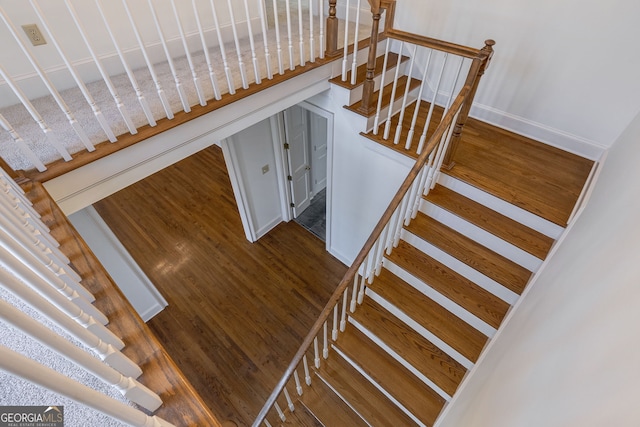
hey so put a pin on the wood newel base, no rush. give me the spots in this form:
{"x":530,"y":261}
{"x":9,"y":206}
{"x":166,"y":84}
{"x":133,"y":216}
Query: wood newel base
{"x":332,"y":31}
{"x":369,"y":83}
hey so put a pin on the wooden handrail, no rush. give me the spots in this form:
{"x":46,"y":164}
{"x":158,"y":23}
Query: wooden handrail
{"x":364,"y":252}
{"x":453,"y":48}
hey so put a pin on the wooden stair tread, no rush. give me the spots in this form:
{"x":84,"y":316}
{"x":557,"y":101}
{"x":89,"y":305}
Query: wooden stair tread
{"x":364,"y":397}
{"x":406,"y":388}
{"x":406,"y":126}
{"x":427,"y":358}
{"x":464,"y":338}
{"x":452,"y":285}
{"x":386,"y":95}
{"x":491,"y":221}
{"x":328,"y":407}
{"x":301,"y":417}
{"x":361,"y":71}
{"x":531,"y":175}
{"x":487,"y":262}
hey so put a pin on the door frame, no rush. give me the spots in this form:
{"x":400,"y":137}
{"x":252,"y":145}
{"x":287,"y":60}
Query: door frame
{"x":278,"y":141}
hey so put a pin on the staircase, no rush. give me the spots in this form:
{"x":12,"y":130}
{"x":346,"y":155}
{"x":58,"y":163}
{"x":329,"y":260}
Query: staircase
{"x":455,"y":271}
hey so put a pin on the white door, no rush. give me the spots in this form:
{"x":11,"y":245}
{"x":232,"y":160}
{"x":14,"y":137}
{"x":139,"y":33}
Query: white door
{"x":297,"y":149}
{"x":318,"y":136}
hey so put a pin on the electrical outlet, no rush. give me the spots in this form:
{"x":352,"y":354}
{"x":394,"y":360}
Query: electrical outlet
{"x":33,"y":33}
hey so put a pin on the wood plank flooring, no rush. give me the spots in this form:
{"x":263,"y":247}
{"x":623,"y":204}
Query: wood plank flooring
{"x":237,"y":311}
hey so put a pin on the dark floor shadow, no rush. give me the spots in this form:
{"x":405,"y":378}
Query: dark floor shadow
{"x":314,"y":218}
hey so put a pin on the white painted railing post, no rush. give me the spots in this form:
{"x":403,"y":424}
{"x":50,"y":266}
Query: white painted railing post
{"x":236,"y":40}
{"x":252,"y":45}
{"x":376,"y":121}
{"x":354,"y":63}
{"x":303,"y":55}
{"x":223,"y":52}
{"x":265,"y":38}
{"x":345,"y":54}
{"x":205,"y":49}
{"x":405,"y":98}
{"x":414,"y":119}
{"x":278,"y":41}
{"x":28,"y":153}
{"x":423,"y":137}
{"x":292,"y":65}
{"x":26,"y":368}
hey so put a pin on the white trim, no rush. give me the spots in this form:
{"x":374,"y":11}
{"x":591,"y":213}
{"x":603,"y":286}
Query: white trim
{"x":237,"y":185}
{"x":277,"y":133}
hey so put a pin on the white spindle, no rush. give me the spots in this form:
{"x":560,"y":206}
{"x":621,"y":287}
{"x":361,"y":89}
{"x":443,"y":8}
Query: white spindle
{"x":307,"y":374}
{"x":312,"y":42}
{"x":35,"y":115}
{"x":354,"y":295}
{"x":345,"y":55}
{"x":105,"y":351}
{"x":321,"y":16}
{"x":376,"y":121}
{"x":252,"y":45}
{"x":266,"y":423}
{"x":343,"y":318}
{"x":279,"y":411}
{"x":292,"y":65}
{"x":316,"y":353}
{"x":405,"y":98}
{"x":11,"y":248}
{"x":303,"y":55}
{"x":127,"y":386}
{"x":387,"y":125}
{"x":422,"y":189}
{"x":227,"y":70}
{"x":413,"y":195}
{"x":176,"y":78}
{"x":445,"y":146}
{"x":185,"y":46}
{"x":401,"y":216}
{"x":161,"y":93}
{"x":334,"y":330}
{"x":427,"y":122}
{"x":243,"y":72}
{"x":132,"y":78}
{"x":325,"y":343}
{"x":383,"y":246}
{"x":296,"y":378}
{"x":363,"y":278}
{"x":414,"y":119}
{"x":289,"y":401}
{"x":205,"y":49}
{"x":29,"y":154}
{"x":22,"y":366}
{"x":50,"y":87}
{"x":105,"y":76}
{"x":76,"y":77}
{"x":452,"y":93}
{"x":392,"y":231}
{"x":354,"y":63}
{"x":278,"y":41}
{"x":265,"y":39}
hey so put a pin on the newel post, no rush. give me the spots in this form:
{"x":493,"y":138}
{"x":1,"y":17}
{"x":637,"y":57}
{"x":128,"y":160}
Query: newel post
{"x":332,"y":30}
{"x":479,"y":66}
{"x":369,"y":83}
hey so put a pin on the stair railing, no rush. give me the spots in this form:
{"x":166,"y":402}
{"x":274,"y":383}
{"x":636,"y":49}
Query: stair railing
{"x":250,"y":41}
{"x":368,"y":263}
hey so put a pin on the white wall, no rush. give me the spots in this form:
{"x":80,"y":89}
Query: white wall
{"x":565,"y":72}
{"x":569,"y":354}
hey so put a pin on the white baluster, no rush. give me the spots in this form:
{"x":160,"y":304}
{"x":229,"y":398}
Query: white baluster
{"x":127,"y":386}
{"x":427,"y":122}
{"x":321,"y":16}
{"x":25,"y":216}
{"x":252,"y":45}
{"x":325,"y":344}
{"x":289,"y":401}
{"x":354,"y":64}
{"x":227,"y":70}
{"x":22,"y":366}
{"x":307,"y":375}
{"x":132,"y":78}
{"x":292,"y":65}
{"x":279,"y":411}
{"x":405,"y":98}
{"x":303,"y":55}
{"x":414,"y":120}
{"x":363,"y":278}
{"x":105,"y":76}
{"x":413,"y":195}
{"x":183,"y":96}
{"x":445,"y":146}
{"x":11,"y":248}
{"x":35,"y":115}
{"x":383,"y":247}
{"x":316,"y":353}
{"x":376,"y":121}
{"x":312,"y":42}
{"x":29,"y":154}
{"x":401,"y":216}
{"x":387,"y":125}
{"x":345,"y":54}
{"x":243,"y":73}
{"x":205,"y":49}
{"x":334,"y":330}
{"x":161,"y":93}
{"x":343,"y":318}
{"x":278,"y":41}
{"x":76,"y":77}
{"x":194,"y":74}
{"x":354,"y":296}
{"x":50,"y":87}
{"x":298,"y":384}
{"x":422,"y":189}
{"x":105,"y":351}
{"x":267,"y":423}
{"x":45,"y":291}
{"x":265,"y":39}
{"x":392,"y":231}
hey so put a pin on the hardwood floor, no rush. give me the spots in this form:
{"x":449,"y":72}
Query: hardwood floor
{"x":237,"y":311}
